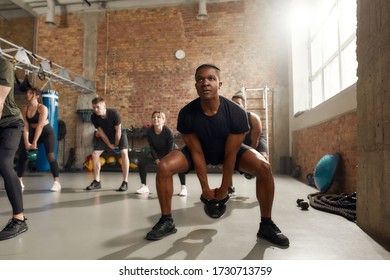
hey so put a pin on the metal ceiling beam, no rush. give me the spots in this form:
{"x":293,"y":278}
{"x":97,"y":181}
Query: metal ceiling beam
{"x":25,"y":7}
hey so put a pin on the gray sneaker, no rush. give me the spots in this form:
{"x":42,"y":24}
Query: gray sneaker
{"x":13,"y":228}
{"x":162,"y":229}
{"x":94,"y":186}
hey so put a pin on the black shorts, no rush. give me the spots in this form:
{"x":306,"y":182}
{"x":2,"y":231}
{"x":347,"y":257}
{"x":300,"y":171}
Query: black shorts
{"x":188,"y":156}
{"x":262,"y":147}
{"x":99,"y":145}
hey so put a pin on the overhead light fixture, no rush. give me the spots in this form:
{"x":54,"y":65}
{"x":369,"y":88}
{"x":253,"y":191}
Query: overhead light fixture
{"x":202,"y":12}
{"x":50,"y":13}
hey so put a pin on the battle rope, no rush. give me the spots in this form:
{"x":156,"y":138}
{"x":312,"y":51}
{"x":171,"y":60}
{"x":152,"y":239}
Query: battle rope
{"x":339,"y":204}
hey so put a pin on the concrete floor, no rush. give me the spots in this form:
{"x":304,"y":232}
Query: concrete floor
{"x":107,"y":225}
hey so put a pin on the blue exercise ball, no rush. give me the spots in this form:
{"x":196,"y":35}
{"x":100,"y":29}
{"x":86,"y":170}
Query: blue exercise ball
{"x":325,"y":171}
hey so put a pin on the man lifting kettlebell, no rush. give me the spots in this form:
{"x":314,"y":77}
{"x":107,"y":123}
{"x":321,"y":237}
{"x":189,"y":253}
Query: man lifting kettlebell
{"x":213,"y":131}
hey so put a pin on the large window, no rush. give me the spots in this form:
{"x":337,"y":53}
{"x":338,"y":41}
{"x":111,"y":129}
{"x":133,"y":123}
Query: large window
{"x":331,"y":47}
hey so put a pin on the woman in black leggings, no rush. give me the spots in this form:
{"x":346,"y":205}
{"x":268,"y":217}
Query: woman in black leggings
{"x":11,"y":126}
{"x":37,"y":130}
{"x":160,"y":139}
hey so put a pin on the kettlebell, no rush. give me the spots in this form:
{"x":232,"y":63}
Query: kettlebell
{"x":214,"y":208}
{"x":32,"y":155}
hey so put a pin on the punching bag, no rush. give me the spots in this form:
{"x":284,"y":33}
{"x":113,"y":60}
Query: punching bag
{"x":50,"y":100}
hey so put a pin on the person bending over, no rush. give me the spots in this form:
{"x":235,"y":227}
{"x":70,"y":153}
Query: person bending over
{"x":255,"y":138}
{"x":109,"y":127}
{"x":160,"y":139}
{"x":213,"y":132}
{"x":37,"y":130}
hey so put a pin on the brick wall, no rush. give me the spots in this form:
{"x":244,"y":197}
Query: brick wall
{"x":136,"y":70}
{"x":338,"y":135}
{"x":19,"y":31}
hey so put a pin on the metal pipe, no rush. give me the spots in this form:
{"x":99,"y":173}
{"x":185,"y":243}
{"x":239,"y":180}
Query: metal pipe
{"x":50,"y":13}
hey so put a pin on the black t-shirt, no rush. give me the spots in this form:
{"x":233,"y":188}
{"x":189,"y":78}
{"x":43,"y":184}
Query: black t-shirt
{"x":213,"y":131}
{"x":160,"y":144}
{"x":108,"y":123}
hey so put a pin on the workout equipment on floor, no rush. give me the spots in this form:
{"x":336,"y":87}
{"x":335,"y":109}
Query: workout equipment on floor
{"x":214,"y":208}
{"x":133,"y":165}
{"x":134,"y":162}
{"x":303,"y":204}
{"x":102,"y":161}
{"x":310,"y":179}
{"x":88,"y":164}
{"x":120,"y":160}
{"x":339,"y":204}
{"x":146,"y":150}
{"x":111,"y":160}
{"x":325,"y":171}
{"x":32,"y":154}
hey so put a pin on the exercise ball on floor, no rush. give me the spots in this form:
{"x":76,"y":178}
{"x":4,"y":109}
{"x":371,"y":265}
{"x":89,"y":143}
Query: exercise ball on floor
{"x":134,"y":163}
{"x":111,"y":160}
{"x":325,"y":171}
{"x":89,"y":165}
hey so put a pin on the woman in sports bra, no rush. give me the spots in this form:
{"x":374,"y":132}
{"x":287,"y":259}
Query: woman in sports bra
{"x":37,"y":130}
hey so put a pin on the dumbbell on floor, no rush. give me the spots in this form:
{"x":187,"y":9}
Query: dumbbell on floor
{"x":303,"y":204}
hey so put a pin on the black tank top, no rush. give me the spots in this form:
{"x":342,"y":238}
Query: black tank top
{"x":34,"y":119}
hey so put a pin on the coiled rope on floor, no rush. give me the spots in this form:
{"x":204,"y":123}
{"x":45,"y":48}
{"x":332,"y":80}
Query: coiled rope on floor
{"x":339,"y":204}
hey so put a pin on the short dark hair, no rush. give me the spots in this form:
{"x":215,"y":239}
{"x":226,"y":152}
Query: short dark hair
{"x":97,"y":100}
{"x":207,"y":66}
{"x":239,"y":96}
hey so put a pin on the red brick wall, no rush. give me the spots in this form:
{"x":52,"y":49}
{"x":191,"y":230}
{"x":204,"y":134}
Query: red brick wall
{"x":338,"y":135}
{"x":19,"y":31}
{"x":136,"y":68}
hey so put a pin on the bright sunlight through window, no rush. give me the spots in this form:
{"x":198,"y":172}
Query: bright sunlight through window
{"x":330,"y":28}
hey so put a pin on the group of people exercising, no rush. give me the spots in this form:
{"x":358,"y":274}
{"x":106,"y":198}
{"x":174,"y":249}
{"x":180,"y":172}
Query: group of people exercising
{"x":215,"y":131}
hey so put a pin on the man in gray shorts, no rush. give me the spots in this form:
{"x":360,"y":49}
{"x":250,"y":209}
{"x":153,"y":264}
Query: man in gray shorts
{"x":109,"y":127}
